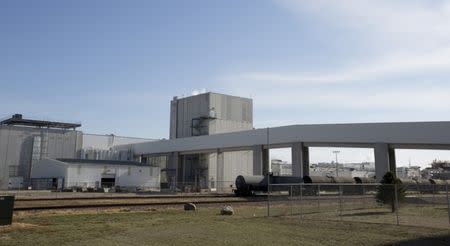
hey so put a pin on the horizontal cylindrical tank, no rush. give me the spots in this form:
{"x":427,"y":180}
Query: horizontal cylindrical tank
{"x":364,"y":180}
{"x":246,"y":185}
{"x":343,"y":180}
{"x":257,"y":183}
{"x":317,"y":179}
{"x":409,"y":182}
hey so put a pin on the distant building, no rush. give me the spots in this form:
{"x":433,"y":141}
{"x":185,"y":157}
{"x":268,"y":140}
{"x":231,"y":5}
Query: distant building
{"x":412,"y":172}
{"x":281,"y":168}
{"x":329,"y":169}
{"x":362,"y":174}
{"x":438,"y":170}
{"x":364,"y":169}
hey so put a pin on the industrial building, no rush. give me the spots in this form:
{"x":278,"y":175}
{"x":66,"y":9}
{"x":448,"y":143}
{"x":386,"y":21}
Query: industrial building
{"x":195,"y":146}
{"x":25,"y":142}
{"x":211,"y":142}
{"x":85,"y":174}
{"x":30,"y":150}
{"x":199,"y":115}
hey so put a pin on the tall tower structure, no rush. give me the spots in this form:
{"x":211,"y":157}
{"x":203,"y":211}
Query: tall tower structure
{"x":208,"y":114}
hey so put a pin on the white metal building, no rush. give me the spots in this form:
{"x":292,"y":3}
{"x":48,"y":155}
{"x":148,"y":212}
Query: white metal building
{"x":94,"y":174}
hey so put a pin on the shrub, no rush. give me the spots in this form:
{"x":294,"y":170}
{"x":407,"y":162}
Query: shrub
{"x":386,"y":191}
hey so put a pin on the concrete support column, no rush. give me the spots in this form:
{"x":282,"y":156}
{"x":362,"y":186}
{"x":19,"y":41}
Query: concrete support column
{"x":392,"y":161}
{"x":220,"y":170}
{"x":384,"y":160}
{"x":172,"y":166}
{"x":300,"y":160}
{"x":260,"y":160}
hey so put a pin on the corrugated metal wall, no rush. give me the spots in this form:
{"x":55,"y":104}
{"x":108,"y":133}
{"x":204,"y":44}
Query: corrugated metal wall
{"x":16,"y":148}
{"x":231,"y":114}
{"x":185,"y":110}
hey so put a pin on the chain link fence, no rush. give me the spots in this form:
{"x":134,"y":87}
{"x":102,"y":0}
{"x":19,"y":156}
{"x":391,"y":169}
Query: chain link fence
{"x":50,"y":189}
{"x":414,"y":205}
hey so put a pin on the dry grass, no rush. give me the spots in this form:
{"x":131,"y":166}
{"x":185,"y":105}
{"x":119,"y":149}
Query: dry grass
{"x":204,"y":227}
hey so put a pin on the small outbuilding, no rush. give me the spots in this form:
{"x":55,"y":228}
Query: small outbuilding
{"x":82,"y":173}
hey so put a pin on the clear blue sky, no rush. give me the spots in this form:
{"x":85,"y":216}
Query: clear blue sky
{"x":115,"y":65}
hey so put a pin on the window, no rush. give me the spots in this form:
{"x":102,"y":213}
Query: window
{"x":13,"y":171}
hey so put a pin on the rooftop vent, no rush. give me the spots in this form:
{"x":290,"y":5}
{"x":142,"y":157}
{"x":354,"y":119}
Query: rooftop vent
{"x":17,"y":116}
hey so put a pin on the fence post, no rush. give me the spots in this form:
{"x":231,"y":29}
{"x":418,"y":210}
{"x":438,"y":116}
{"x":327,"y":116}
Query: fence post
{"x":364,"y":195}
{"x":290,"y":203}
{"x":268,"y":195}
{"x":448,"y":202}
{"x":318,"y":197}
{"x":340,"y":202}
{"x":396,"y":203}
{"x":434,"y":195}
{"x":301,"y":201}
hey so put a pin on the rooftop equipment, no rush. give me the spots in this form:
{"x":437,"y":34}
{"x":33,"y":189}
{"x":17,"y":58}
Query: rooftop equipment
{"x":18,"y":120}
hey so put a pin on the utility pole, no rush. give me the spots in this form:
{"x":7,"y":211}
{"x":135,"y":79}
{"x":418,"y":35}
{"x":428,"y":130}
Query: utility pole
{"x":336,"y":152}
{"x":268,"y":173}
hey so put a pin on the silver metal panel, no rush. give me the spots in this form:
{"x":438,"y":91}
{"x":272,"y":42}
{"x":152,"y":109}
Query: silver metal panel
{"x":16,"y":147}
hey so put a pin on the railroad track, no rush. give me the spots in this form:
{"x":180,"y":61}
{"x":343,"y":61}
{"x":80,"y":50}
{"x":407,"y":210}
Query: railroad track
{"x":56,"y":206}
{"x":155,"y":201}
{"x":123,"y":197}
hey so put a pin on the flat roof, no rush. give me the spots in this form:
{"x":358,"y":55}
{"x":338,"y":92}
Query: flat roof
{"x":209,"y":92}
{"x":18,"y":120}
{"x":101,"y":162}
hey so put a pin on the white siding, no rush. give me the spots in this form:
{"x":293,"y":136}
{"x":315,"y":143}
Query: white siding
{"x":90,"y":175}
{"x":105,"y":142}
